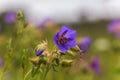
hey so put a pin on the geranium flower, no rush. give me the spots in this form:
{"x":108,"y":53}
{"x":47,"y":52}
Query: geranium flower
{"x":95,"y":65}
{"x":1,"y":62}
{"x":10,"y":17}
{"x":65,"y":39}
{"x":114,"y":28}
{"x":84,"y":43}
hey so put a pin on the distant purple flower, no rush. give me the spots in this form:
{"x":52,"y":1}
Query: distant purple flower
{"x":95,"y":65}
{"x":1,"y":62}
{"x":65,"y":39}
{"x":114,"y":27}
{"x":10,"y":17}
{"x":84,"y":43}
{"x":38,"y":52}
{"x":0,"y":28}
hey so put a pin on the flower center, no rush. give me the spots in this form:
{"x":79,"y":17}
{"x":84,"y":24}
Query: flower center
{"x":61,"y":38}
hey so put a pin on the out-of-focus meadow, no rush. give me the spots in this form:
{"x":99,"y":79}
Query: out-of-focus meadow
{"x":103,"y":45}
{"x":101,"y":60}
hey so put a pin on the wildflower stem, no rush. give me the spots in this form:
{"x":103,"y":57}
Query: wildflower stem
{"x":1,"y":75}
{"x":45,"y":71}
{"x":27,"y":74}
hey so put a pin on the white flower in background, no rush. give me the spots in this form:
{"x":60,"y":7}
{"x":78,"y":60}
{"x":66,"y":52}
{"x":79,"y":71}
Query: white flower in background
{"x":101,"y":44}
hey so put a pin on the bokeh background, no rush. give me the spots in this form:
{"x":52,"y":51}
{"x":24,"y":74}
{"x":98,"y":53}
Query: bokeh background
{"x":90,"y":18}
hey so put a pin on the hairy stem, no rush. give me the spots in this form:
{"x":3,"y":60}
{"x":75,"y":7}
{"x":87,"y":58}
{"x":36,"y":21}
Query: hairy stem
{"x":27,"y":74}
{"x":47,"y":68}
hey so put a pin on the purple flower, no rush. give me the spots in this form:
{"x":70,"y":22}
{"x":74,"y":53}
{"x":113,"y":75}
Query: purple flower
{"x":0,"y":28}
{"x":114,"y":28}
{"x":1,"y":62}
{"x":95,"y":65}
{"x":84,"y":43}
{"x":65,"y":39}
{"x":38,"y":52}
{"x":10,"y":17}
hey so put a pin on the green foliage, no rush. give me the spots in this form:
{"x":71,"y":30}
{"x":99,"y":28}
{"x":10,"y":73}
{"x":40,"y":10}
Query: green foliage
{"x":21,"y":63}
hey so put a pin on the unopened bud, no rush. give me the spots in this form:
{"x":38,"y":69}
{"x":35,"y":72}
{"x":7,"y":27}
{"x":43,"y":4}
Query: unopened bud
{"x":38,"y":60}
{"x":38,"y":52}
{"x":19,"y":15}
{"x":71,"y":53}
{"x":67,"y":62}
{"x":76,"y":49}
{"x":41,"y":48}
{"x":35,"y":60}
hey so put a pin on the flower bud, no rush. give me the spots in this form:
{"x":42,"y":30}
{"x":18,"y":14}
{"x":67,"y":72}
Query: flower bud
{"x":70,"y":52}
{"x":38,"y":60}
{"x":66,"y":63}
{"x":35,"y":60}
{"x":38,"y":52}
{"x":41,"y":48}
{"x":19,"y":15}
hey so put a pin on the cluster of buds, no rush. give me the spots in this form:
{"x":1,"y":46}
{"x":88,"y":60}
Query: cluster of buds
{"x":63,"y":55}
{"x":66,"y":46}
{"x":43,"y":56}
{"x":40,"y":52}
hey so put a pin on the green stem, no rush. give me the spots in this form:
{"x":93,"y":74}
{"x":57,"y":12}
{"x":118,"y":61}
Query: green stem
{"x":1,"y":75}
{"x":27,"y":74}
{"x":23,"y":74}
{"x":45,"y":72}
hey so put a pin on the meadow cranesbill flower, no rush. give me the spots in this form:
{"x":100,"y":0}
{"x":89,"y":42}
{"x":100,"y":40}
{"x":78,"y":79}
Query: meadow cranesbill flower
{"x":0,"y":28}
{"x":65,"y":39}
{"x":1,"y":62}
{"x":84,"y":43}
{"x":10,"y":17}
{"x":95,"y":65}
{"x":114,"y":28}
{"x":38,"y":52}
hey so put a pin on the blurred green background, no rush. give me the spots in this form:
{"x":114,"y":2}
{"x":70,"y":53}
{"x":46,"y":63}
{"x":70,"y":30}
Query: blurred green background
{"x":104,"y":45}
